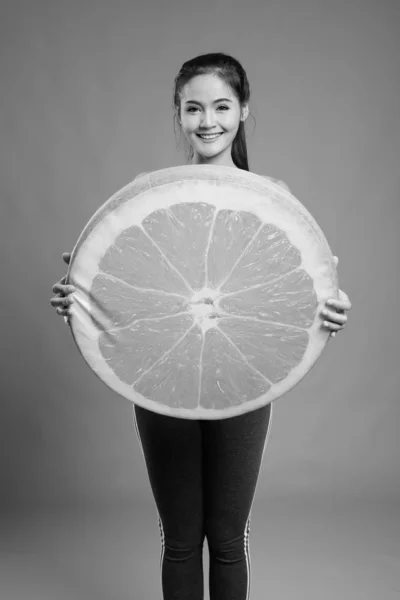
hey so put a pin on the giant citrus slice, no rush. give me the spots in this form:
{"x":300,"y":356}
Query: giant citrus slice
{"x":199,"y":290}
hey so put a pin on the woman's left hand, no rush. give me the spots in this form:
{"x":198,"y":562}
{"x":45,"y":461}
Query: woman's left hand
{"x":333,"y":314}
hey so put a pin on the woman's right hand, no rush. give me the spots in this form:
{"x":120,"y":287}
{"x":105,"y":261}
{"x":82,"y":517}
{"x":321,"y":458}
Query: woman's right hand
{"x":64,"y":292}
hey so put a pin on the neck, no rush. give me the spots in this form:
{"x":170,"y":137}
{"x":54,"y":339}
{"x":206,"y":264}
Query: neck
{"x":223,"y":160}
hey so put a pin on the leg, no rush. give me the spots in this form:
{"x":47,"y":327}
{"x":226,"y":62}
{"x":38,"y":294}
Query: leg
{"x":172,"y":450}
{"x":233,"y":451}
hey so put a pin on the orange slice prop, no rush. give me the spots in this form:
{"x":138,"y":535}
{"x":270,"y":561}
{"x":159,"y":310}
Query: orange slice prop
{"x":199,"y":291}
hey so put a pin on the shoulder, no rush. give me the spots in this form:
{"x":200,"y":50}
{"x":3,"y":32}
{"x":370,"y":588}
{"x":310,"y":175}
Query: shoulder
{"x":141,"y":174}
{"x":278,"y":181}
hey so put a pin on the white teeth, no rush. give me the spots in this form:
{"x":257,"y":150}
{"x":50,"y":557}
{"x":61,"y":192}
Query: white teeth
{"x":210,"y":137}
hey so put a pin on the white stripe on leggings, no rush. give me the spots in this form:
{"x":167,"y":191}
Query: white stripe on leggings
{"x":247,"y":527}
{"x":158,"y":514}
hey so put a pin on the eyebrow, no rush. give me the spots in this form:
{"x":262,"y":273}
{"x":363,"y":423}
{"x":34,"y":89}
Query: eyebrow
{"x":215,"y":101}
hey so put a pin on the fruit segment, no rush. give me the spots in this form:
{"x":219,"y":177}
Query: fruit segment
{"x":289,"y":300}
{"x":117,"y":304}
{"x":136,"y":260}
{"x":226,"y":378}
{"x":233,"y":231}
{"x":182,"y":233}
{"x":269,"y":256}
{"x":174,"y":379}
{"x":132,"y":351}
{"x":273,"y":350}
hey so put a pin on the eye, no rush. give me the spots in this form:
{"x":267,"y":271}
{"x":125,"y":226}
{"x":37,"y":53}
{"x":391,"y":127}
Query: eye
{"x":192,"y":109}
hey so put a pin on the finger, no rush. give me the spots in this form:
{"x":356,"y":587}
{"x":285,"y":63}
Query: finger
{"x":339,"y":304}
{"x":344,"y":297}
{"x":56,"y":302}
{"x":332,"y":326}
{"x":283,"y":184}
{"x":61,"y":301}
{"x":333,"y":333}
{"x":56,"y":286}
{"x":66,"y":257}
{"x":63,"y":312}
{"x":334,"y":316}
{"x":59,"y":288}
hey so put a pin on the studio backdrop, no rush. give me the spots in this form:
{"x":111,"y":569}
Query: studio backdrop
{"x":86,"y":105}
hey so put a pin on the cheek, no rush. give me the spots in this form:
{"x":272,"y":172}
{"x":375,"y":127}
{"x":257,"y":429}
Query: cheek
{"x":188,"y":127}
{"x":231,"y":122}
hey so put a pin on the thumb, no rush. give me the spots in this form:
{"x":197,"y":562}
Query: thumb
{"x":336,"y":260}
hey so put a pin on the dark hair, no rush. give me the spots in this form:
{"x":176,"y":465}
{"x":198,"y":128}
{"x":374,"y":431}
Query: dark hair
{"x":232,"y":72}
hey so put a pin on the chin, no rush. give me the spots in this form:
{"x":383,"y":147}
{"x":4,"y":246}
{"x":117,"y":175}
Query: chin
{"x":210,"y":151}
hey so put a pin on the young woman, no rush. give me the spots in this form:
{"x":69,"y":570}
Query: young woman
{"x":203,"y":474}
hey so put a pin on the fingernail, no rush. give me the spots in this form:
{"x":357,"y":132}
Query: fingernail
{"x":324,"y":312}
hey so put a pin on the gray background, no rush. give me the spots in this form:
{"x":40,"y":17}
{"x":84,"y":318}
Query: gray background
{"x":86,"y":105}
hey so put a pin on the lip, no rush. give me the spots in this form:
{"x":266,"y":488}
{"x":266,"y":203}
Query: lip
{"x":218,"y":134}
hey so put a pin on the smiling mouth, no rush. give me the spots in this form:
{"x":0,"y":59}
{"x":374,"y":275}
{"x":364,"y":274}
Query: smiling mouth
{"x":207,"y":136}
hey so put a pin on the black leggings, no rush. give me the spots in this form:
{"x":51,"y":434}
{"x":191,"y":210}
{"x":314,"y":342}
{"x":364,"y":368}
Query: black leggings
{"x":203,"y":475}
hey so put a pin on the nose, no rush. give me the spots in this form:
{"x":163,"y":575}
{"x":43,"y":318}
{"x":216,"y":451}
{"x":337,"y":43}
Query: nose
{"x":208,"y":119}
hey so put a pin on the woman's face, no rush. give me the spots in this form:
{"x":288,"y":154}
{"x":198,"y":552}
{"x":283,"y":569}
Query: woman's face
{"x":209,"y":106}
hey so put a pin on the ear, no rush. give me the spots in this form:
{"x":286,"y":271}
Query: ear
{"x":245,"y":112}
